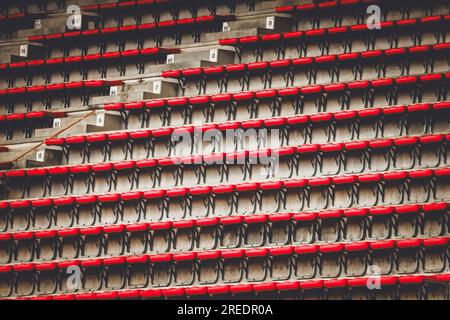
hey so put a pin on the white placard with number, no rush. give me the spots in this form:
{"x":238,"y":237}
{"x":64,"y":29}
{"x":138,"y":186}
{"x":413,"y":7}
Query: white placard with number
{"x":113,"y":91}
{"x":23,"y":50}
{"x":40,"y":155}
{"x":226,"y":27}
{"x":77,"y":20}
{"x":57,"y":123}
{"x":270,"y":23}
{"x":100,"y":121}
{"x":213,"y":55}
{"x":37,"y":24}
{"x":157,"y":87}
{"x":170,"y":59}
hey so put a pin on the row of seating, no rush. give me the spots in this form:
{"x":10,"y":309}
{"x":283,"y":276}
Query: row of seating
{"x":300,"y":161}
{"x":323,"y":249}
{"x":173,"y":104}
{"x":4,"y":19}
{"x":343,"y":35}
{"x":126,"y":31}
{"x":300,"y":289}
{"x":409,"y":256}
{"x":273,"y":122}
{"x":48,"y":66}
{"x":124,"y":5}
{"x":13,"y":119}
{"x":356,"y":61}
{"x":318,"y":13}
{"x":320,"y":94}
{"x":65,"y":92}
{"x":30,"y":121}
{"x":10,"y":21}
{"x":352,"y":126}
{"x":69,"y":212}
{"x":334,"y":6}
{"x":266,"y":94}
{"x":320,"y":193}
{"x":24,"y":5}
{"x":415,"y":83}
{"x":324,"y":5}
{"x":57,"y":87}
{"x":119,"y":9}
{"x":306,"y":249}
{"x":257,"y":230}
{"x":230,"y":188}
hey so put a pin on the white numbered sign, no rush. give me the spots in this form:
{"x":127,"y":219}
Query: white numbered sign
{"x":24,"y":50}
{"x":77,"y":21}
{"x":37,"y":24}
{"x":270,"y":23}
{"x":113,"y":91}
{"x":157,"y":87}
{"x":57,"y":123}
{"x":226,"y":27}
{"x":170,"y":59}
{"x":40,"y":156}
{"x":213,"y":55}
{"x":100,"y":121}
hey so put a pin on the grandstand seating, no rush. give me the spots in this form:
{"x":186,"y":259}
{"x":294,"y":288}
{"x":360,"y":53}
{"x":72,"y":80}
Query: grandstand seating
{"x":225,"y":149}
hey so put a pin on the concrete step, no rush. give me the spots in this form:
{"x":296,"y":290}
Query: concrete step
{"x":104,"y":121}
{"x":218,"y":56}
{"x":185,"y":60}
{"x":150,"y":89}
{"x":101,"y":121}
{"x":18,"y":140}
{"x":49,"y":132}
{"x":20,"y":51}
{"x":216,"y":36}
{"x":100,"y":101}
{"x":273,"y":21}
{"x":16,"y":151}
{"x":65,"y":122}
{"x":10,"y":155}
{"x":265,"y":5}
{"x":47,"y":157}
{"x":56,"y":23}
